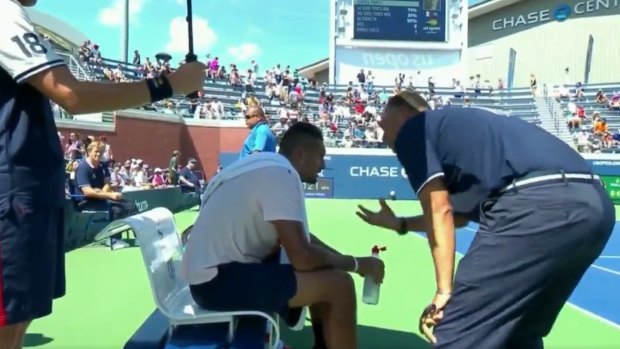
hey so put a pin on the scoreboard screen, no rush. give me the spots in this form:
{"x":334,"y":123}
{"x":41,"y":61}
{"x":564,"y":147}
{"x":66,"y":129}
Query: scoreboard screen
{"x":400,"y":20}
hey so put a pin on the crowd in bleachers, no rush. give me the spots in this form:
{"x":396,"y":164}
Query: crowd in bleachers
{"x":350,"y":114}
{"x":592,"y":115}
{"x":128,"y":175}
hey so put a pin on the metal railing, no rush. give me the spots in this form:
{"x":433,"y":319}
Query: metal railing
{"x":76,"y":68}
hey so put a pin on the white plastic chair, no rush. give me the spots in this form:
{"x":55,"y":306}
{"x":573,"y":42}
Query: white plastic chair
{"x":160,"y":244}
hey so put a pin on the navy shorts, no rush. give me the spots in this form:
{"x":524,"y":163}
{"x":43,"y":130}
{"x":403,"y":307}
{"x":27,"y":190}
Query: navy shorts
{"x":265,"y":287}
{"x":32,"y":264}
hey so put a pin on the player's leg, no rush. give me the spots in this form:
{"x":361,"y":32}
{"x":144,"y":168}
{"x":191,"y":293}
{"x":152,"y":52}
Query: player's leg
{"x":277,"y":288}
{"x":317,"y":314}
{"x":335,"y":292}
{"x":539,"y":320}
{"x":524,"y":240}
{"x":31,"y":266}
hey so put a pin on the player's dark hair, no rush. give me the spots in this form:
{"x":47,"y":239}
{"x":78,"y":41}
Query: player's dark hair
{"x":298,"y":135}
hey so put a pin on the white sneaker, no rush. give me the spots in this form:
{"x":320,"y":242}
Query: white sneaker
{"x":119,"y":244}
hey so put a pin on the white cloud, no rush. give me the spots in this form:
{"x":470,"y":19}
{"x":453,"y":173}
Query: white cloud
{"x":112,"y":15}
{"x":244,"y":52}
{"x":204,"y":36}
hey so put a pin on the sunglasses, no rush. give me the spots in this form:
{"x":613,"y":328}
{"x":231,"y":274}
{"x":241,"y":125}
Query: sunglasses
{"x":251,"y":116}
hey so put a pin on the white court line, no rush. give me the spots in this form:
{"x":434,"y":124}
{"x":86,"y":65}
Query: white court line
{"x":574,"y":306}
{"x":594,"y":316}
{"x":614,"y":272}
{"x":609,"y":257}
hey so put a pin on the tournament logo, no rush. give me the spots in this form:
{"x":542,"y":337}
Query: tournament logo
{"x":562,"y":12}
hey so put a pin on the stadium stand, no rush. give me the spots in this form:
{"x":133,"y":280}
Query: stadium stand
{"x":591,"y":114}
{"x":349,"y":114}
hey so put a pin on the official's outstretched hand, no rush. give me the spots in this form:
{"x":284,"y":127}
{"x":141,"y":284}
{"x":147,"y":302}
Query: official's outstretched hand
{"x":383,"y":218}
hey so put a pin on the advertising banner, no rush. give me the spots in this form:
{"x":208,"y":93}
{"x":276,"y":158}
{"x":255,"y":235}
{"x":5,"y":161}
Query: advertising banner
{"x":351,"y":174}
{"x":612,"y":187}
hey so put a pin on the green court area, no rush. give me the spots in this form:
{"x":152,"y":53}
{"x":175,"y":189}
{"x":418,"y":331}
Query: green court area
{"x":108,"y":293}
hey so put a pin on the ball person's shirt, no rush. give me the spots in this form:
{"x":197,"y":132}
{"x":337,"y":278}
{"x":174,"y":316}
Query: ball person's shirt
{"x":31,"y":162}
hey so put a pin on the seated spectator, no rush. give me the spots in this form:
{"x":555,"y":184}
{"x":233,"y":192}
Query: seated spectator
{"x":117,"y":181}
{"x":93,"y":180}
{"x":601,"y":97}
{"x":158,"y":180}
{"x":188,"y":179}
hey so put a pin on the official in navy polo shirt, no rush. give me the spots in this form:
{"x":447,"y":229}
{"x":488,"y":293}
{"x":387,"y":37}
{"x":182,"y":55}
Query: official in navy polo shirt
{"x":543,"y":220}
{"x":261,"y":138}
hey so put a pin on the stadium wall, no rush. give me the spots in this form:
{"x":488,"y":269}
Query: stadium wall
{"x":368,"y":174}
{"x":153,"y":137}
{"x":548,"y":36}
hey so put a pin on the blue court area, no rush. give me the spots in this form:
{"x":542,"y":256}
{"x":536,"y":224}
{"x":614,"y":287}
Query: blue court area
{"x":597,"y":294}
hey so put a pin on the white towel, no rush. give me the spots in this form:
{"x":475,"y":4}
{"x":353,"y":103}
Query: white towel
{"x":252,"y":163}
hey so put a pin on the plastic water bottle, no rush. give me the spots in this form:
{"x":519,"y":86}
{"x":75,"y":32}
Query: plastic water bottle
{"x":370,"y":294}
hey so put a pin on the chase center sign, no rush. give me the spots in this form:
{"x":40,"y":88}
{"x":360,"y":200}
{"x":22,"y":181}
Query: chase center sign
{"x":559,"y":13}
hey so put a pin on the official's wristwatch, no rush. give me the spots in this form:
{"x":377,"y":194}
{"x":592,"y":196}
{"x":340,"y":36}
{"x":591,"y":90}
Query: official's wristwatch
{"x":402,"y":230}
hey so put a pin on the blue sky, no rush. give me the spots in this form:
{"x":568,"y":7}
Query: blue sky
{"x":291,"y":32}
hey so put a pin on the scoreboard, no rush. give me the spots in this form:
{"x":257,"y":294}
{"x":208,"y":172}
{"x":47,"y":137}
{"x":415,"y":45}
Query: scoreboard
{"x":400,"y":20}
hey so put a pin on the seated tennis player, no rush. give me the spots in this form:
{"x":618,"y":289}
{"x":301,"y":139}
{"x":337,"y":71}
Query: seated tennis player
{"x":254,"y":210}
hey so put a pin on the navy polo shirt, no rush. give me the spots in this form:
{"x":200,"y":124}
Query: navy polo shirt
{"x":190,"y":176}
{"x":478,"y":152}
{"x":261,"y":139}
{"x":94,"y":177}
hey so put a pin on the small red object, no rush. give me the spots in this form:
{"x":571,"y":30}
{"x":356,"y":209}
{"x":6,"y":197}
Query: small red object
{"x":376,"y":249}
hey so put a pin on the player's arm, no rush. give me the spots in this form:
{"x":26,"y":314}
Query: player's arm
{"x":317,"y":242}
{"x":281,"y":205}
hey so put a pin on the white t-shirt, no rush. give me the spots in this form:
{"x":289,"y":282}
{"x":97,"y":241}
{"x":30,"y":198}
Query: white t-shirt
{"x":233,"y":225}
{"x":23,"y":53}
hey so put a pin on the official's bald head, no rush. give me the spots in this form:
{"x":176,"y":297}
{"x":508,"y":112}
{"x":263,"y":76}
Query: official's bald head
{"x":400,"y":108}
{"x":254,"y":115}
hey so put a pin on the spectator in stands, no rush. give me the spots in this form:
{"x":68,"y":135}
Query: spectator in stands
{"x":117,"y":181}
{"x":562,"y":93}
{"x":158,"y":180}
{"x":601,"y":131}
{"x":136,"y":58}
{"x":577,"y":118}
{"x":93,"y":180}
{"x":95,"y":56}
{"x":533,"y":85}
{"x":261,"y":138}
{"x":106,"y":155}
{"x":579,"y":91}
{"x":601,"y":97}
{"x":188,"y":179}
{"x":73,"y":148}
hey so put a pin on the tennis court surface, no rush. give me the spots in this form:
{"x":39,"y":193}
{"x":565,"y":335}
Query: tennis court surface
{"x":109,"y":297}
